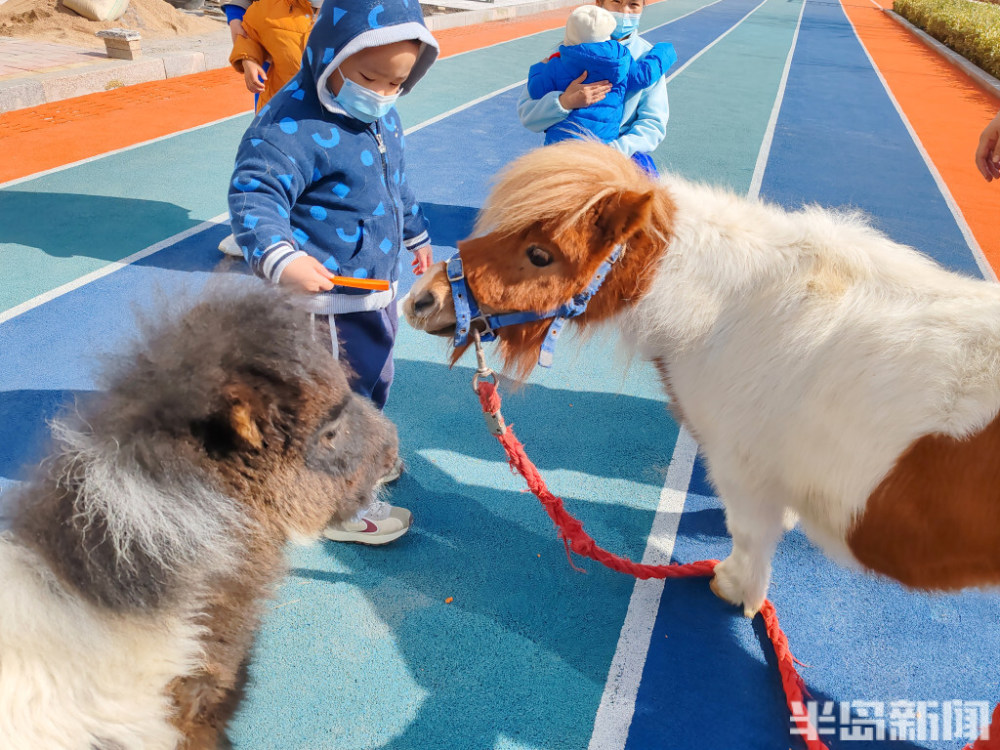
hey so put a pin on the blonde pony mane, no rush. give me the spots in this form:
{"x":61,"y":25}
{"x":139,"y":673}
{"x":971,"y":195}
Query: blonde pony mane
{"x":557,"y":185}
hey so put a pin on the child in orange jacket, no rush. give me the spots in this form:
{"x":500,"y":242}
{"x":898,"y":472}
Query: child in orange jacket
{"x":273,"y":32}
{"x":276,"y":32}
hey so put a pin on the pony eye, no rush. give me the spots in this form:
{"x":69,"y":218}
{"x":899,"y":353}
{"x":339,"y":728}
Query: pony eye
{"x":539,"y":256}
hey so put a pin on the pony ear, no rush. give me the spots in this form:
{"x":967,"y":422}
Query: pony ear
{"x":623,"y":214}
{"x":243,"y":411}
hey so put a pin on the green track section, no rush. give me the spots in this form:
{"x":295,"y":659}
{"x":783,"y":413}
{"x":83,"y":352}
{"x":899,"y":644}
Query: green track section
{"x":720,"y":104}
{"x":63,"y":225}
{"x":462,"y":78}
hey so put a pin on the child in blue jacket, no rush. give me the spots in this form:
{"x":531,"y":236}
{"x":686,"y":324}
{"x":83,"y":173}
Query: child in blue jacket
{"x":320,"y":189}
{"x":588,"y":47}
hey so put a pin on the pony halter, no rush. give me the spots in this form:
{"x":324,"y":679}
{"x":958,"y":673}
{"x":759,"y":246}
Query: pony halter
{"x":467,"y":310}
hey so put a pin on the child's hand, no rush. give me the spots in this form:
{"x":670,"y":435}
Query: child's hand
{"x":422,"y":260}
{"x":254,"y":76}
{"x":988,"y":151}
{"x":306,"y":274}
{"x":236,"y":28}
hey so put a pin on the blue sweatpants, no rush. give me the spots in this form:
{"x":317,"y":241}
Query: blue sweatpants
{"x":366,"y":342}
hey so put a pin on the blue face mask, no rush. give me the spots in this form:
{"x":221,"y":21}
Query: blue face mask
{"x":626,"y":24}
{"x":361,"y":103}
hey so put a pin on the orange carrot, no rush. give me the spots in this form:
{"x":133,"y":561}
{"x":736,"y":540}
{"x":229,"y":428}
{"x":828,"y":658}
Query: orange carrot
{"x":379,"y":285}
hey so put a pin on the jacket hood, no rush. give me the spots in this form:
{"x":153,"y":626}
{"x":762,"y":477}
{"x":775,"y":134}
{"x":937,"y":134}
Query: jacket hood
{"x":602,"y":60}
{"x":344,"y":27}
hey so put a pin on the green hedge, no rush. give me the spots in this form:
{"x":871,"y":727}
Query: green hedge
{"x":970,"y":28}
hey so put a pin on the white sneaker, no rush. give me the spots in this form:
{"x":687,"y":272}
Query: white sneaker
{"x":382,"y":523}
{"x":392,"y":475}
{"x":229,"y":247}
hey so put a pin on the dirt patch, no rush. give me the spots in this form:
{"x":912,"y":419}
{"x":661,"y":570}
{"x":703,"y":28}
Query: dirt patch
{"x":49,"y":21}
{"x":430,"y":9}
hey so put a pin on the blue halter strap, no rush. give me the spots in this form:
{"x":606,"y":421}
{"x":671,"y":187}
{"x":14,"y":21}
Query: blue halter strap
{"x":467,"y":310}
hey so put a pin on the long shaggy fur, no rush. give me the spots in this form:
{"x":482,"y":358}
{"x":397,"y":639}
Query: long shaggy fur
{"x":141,"y":549}
{"x":808,"y":352}
{"x":542,"y":191}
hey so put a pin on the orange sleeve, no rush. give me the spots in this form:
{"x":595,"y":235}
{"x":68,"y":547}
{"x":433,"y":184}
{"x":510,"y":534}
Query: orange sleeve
{"x":248,"y":47}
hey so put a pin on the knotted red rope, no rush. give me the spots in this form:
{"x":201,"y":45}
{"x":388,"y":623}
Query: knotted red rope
{"x":990,"y":739}
{"x":580,"y":542}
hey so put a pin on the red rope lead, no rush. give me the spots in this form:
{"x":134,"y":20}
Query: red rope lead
{"x":991,"y":737}
{"x":580,"y":542}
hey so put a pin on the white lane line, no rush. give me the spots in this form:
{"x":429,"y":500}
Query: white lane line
{"x":505,"y":89}
{"x":977,"y":252}
{"x":62,"y":167}
{"x":146,"y":252}
{"x":675,"y":20}
{"x":250,"y":111}
{"x":119,"y":150}
{"x":614,"y":715}
{"x":466,"y":105}
{"x":718,"y":39}
{"x":772,"y":123}
{"x":50,"y":295}
{"x":59,"y":291}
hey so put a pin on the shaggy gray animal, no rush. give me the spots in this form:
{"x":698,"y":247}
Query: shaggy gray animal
{"x":142,"y":548}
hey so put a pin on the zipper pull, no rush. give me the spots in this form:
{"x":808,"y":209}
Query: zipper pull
{"x":378,"y":140}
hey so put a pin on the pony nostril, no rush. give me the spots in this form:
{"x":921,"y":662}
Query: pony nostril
{"x":423,"y":303}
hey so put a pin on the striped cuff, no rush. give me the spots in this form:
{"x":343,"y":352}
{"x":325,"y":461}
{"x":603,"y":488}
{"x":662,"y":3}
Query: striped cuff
{"x":415,"y":243}
{"x":275,"y":259}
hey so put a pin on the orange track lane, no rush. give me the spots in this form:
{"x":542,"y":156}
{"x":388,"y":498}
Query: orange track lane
{"x":52,"y":135}
{"x":946,"y":108}
{"x":58,"y":133}
{"x":63,"y":132}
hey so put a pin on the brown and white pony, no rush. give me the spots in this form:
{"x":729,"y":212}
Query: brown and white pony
{"x":827,"y":371}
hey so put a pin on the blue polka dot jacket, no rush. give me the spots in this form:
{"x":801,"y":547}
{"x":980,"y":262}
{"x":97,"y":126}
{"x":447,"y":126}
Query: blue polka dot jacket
{"x":312,"y":179}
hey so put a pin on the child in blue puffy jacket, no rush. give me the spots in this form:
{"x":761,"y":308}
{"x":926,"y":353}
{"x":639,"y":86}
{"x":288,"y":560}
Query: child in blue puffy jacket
{"x":588,"y":47}
{"x":320,"y":190}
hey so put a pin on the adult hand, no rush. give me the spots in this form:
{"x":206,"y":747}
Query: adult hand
{"x":236,"y":28}
{"x":988,"y":151}
{"x":579,"y":94}
{"x":422,"y":260}
{"x":254,"y":76}
{"x":306,"y":274}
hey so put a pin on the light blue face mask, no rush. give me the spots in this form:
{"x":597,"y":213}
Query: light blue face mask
{"x":361,"y":103}
{"x":625,"y":24}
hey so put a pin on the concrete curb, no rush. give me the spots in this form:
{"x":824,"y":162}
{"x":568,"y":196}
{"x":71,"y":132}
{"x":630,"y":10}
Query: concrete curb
{"x":163,"y":59}
{"x":980,"y":76}
{"x":501,"y":13}
{"x":40,"y":88}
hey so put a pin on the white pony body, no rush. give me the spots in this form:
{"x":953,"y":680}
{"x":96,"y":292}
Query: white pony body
{"x":807,"y":352}
{"x":828,"y":372}
{"x":73,"y":678}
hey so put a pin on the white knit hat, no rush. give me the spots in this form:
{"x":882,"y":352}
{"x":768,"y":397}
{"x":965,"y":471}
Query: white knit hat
{"x":589,"y":23}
